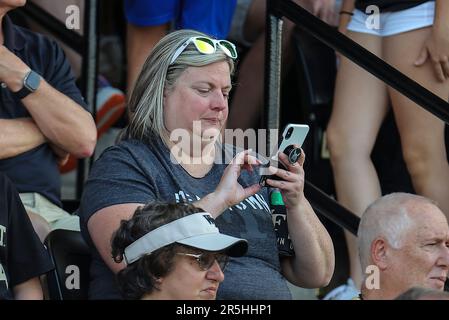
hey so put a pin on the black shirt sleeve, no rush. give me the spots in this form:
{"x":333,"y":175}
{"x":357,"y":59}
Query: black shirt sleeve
{"x":27,"y":257}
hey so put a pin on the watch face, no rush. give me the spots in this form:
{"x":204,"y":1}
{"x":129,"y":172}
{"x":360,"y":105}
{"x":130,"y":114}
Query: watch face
{"x":32,"y":81}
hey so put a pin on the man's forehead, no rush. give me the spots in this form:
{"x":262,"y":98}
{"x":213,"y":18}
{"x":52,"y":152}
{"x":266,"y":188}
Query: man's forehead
{"x":429,"y":222}
{"x":427,"y":231}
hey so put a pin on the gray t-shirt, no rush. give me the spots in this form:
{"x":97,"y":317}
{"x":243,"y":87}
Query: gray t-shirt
{"x":136,"y":172}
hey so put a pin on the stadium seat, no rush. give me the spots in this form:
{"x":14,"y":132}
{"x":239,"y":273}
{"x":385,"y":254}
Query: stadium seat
{"x":71,"y":257}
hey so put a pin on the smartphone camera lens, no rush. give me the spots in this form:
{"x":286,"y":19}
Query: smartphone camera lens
{"x":289,"y":133}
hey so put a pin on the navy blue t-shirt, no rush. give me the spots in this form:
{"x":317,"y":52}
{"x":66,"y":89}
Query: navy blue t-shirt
{"x":134,"y":172}
{"x":22,"y":255}
{"x":36,"y":170}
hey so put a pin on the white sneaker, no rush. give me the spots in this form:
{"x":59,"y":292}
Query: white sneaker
{"x":346,"y":291}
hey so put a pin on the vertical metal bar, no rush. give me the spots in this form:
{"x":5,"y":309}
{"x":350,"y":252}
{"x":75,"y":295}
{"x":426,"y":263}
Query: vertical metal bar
{"x":273,"y":60}
{"x":89,"y":76}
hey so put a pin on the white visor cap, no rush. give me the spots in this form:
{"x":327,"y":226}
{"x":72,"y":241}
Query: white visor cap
{"x":197,"y":230}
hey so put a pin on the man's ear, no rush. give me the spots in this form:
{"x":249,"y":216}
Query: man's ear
{"x":379,"y":248}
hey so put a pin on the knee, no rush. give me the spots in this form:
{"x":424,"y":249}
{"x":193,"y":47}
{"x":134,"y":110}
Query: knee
{"x":346,"y":147}
{"x":40,"y":225}
{"x":335,"y":144}
{"x":417,"y":161}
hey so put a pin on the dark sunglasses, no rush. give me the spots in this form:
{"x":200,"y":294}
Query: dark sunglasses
{"x":207,"y":259}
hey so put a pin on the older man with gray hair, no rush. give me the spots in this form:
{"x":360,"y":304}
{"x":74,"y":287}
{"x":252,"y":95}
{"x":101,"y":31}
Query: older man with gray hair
{"x":403,"y":240}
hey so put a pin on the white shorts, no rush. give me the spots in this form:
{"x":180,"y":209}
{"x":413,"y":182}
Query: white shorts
{"x":392,"y":23}
{"x":55,"y":216}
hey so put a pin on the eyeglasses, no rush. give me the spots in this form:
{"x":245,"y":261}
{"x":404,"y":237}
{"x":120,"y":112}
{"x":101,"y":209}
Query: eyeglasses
{"x":207,"y":259}
{"x":207,"y":46}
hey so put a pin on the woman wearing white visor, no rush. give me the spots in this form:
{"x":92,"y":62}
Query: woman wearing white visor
{"x":172,"y":251}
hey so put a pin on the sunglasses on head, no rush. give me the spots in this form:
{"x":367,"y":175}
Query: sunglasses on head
{"x":206,"y":45}
{"x":206,"y":260}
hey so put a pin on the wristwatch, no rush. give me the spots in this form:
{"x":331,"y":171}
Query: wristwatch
{"x":30,"y":84}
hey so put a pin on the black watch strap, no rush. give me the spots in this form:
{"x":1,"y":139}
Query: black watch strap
{"x":30,"y":84}
{"x":22,"y":93}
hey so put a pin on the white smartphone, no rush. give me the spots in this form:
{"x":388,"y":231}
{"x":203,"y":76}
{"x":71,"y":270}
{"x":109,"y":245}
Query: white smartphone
{"x":293,"y":134}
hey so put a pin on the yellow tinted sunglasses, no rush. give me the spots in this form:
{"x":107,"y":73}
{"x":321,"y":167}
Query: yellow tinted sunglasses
{"x":207,"y":46}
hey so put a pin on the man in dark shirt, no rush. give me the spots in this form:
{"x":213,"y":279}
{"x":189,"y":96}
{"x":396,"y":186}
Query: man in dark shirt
{"x":42,"y":119}
{"x":23,"y":257}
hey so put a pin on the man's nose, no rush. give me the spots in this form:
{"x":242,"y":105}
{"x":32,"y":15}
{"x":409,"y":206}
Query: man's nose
{"x":444,"y":259}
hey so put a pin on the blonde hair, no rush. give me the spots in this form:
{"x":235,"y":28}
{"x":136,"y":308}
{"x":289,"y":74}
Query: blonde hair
{"x":158,"y":76}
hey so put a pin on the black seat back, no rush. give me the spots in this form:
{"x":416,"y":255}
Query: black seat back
{"x":71,"y":257}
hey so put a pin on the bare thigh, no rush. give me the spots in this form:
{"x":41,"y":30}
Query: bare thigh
{"x":360,"y":103}
{"x":255,"y":20}
{"x":421,"y":132}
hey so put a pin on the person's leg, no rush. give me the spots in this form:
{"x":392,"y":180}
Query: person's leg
{"x":248,"y":92}
{"x":40,"y":225}
{"x":248,"y":97}
{"x":360,"y":105}
{"x":422,"y":134}
{"x":247,"y":100}
{"x":139,"y":43}
{"x":55,"y":216}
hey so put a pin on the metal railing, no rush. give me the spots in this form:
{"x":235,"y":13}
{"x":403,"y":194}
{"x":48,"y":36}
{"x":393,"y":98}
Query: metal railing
{"x":276,"y":10}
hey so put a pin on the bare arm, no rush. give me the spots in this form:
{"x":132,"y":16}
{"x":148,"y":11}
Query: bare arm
{"x":323,"y":9}
{"x":229,"y":192}
{"x":344,"y":19}
{"x":18,"y":136}
{"x":313,"y":265}
{"x":29,"y":290}
{"x":103,"y":224}
{"x":70,"y":127}
{"x":436,"y":48}
{"x":441,"y":14}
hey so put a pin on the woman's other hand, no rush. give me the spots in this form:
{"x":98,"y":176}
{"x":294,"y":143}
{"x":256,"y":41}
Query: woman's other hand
{"x":436,"y":49}
{"x":292,"y":180}
{"x":229,"y":189}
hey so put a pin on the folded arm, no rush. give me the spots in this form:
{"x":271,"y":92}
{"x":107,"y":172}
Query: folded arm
{"x":61,"y":120}
{"x":18,"y":136}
